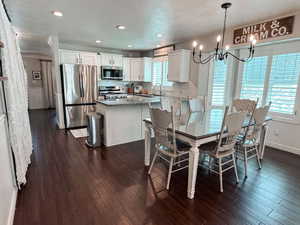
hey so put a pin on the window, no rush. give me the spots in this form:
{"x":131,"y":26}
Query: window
{"x":253,"y":78}
{"x":160,"y":72}
{"x":218,"y":83}
{"x":283,"y":82}
{"x":272,"y":78}
{"x":157,"y":72}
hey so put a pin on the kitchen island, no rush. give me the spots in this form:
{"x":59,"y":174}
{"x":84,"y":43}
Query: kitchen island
{"x":123,"y":118}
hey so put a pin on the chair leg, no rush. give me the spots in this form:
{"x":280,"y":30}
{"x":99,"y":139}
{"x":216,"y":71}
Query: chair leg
{"x":235,"y":169}
{"x":220,"y":175}
{"x":257,"y":157}
{"x":153,"y":161}
{"x":170,"y":173}
{"x":246,"y":162}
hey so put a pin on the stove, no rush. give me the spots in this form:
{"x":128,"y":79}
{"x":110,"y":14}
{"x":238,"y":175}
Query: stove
{"x":112,"y":92}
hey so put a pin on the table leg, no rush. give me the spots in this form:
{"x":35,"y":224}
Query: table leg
{"x":147,"y":145}
{"x":262,"y":141}
{"x":193,"y":167}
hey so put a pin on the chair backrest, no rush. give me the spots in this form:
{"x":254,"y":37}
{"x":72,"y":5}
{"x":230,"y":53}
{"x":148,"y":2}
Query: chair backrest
{"x":197,"y":104}
{"x":171,"y":102}
{"x":244,"y":105}
{"x":231,"y":127}
{"x":162,"y":121}
{"x":259,"y":117}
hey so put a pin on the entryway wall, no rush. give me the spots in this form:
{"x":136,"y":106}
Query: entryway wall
{"x":36,"y":95}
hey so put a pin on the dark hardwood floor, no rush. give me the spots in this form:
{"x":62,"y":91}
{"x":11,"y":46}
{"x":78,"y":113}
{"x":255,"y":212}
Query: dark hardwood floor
{"x":71,"y":185}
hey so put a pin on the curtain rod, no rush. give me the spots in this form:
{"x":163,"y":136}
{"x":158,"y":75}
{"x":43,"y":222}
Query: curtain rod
{"x":6,"y":12}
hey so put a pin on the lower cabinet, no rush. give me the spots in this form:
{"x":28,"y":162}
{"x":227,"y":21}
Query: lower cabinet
{"x":123,"y":123}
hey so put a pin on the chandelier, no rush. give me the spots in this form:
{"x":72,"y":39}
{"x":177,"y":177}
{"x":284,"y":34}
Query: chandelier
{"x":221,"y":53}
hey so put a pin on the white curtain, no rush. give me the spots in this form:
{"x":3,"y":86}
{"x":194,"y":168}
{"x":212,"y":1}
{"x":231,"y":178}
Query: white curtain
{"x":48,"y":83}
{"x":17,"y":98}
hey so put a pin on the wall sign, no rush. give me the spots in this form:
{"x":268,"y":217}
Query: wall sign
{"x":36,"y":75}
{"x":163,"y":51}
{"x":266,"y":30}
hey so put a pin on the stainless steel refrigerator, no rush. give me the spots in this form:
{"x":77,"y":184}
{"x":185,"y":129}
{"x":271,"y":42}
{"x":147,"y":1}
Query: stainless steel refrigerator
{"x":79,"y":89}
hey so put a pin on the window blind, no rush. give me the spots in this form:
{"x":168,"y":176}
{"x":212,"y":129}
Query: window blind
{"x":218,"y":83}
{"x":283,"y":82}
{"x":253,"y":78}
{"x":157,"y":73}
{"x":160,"y":72}
{"x":165,"y":81}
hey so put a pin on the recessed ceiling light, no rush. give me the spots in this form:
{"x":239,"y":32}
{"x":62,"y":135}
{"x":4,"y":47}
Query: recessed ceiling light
{"x":120,"y":27}
{"x":98,"y":41}
{"x":159,"y":35}
{"x":57,"y":13}
{"x":129,"y":46}
{"x":158,"y":46}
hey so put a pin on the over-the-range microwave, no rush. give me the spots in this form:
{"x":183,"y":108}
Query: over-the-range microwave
{"x":111,"y":73}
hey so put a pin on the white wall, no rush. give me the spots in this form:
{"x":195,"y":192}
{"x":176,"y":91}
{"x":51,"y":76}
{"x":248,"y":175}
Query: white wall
{"x":8,"y":190}
{"x":54,"y":47}
{"x":36,"y":96}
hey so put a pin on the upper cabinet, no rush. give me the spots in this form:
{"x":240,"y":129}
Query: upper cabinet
{"x":111,"y":60}
{"x":77,"y":57}
{"x":179,"y":65}
{"x":69,"y":57}
{"x":141,"y":69}
{"x":88,"y":58}
{"x":126,"y":69}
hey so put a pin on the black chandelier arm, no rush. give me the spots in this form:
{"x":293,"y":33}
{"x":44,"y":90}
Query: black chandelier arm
{"x":203,"y":61}
{"x":250,"y":57}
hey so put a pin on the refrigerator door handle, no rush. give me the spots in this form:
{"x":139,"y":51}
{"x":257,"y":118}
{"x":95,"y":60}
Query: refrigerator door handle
{"x":81,"y":90}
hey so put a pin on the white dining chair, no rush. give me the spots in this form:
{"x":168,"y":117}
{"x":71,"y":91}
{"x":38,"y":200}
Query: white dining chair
{"x":248,"y":147}
{"x":166,"y":148}
{"x":197,"y":104}
{"x":222,"y":151}
{"x":244,"y":105}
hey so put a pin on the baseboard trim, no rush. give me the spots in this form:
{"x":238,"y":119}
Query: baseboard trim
{"x":284,"y":148}
{"x":12,"y":209}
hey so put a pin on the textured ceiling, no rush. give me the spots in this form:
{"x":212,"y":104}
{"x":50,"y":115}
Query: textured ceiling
{"x":178,"y":20}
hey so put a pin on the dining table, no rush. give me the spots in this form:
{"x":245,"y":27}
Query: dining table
{"x":195,"y":129}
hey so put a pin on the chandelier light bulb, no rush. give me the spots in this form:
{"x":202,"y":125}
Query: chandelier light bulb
{"x":200,"y":47}
{"x":219,"y":38}
{"x":195,"y":44}
{"x":251,"y":37}
{"x":227,"y":47}
{"x":254,"y":42}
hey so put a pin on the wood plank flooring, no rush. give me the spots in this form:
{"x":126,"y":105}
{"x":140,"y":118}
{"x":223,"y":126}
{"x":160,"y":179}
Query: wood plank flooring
{"x":71,"y":185}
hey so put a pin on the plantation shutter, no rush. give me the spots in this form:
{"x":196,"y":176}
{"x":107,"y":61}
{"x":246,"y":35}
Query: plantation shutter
{"x":283,"y":82}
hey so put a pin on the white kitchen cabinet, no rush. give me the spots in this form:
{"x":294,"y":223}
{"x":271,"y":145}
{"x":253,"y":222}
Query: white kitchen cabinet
{"x":126,"y":69}
{"x":77,"y":57}
{"x":88,"y":58}
{"x":111,"y":60}
{"x":141,"y":69}
{"x":68,"y":57}
{"x":179,"y":65}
